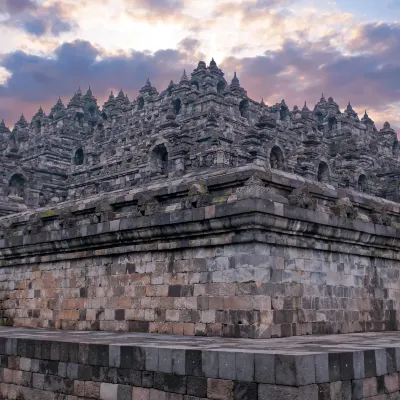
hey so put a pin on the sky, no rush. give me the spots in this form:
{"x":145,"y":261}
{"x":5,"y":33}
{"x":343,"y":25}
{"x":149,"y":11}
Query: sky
{"x":281,"y":49}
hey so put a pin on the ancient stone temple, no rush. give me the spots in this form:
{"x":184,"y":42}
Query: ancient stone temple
{"x":198,"y":211}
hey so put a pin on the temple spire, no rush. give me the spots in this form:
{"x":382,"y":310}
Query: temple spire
{"x":184,"y":77}
{"x":3,"y":127}
{"x":235,"y":81}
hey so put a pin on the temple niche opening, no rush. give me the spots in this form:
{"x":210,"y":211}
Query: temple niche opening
{"x":221,"y":86}
{"x":140,"y":103}
{"x":244,"y":108}
{"x":323,"y":172}
{"x":79,"y":157}
{"x":177,"y":106}
{"x":17,"y":186}
{"x":332,"y":124}
{"x":38,"y":126}
{"x":283,"y":113}
{"x":320,"y":117}
{"x":362,"y":184}
{"x":276,"y":159}
{"x":159,"y":160}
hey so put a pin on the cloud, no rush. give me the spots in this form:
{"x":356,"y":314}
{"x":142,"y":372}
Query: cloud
{"x":362,"y":66}
{"x":16,"y":6}
{"x":39,"y":80}
{"x":301,"y":70}
{"x":49,"y":19}
{"x":159,"y":5}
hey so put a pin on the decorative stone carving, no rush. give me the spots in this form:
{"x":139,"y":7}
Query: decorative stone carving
{"x":381,"y":216}
{"x":66,"y":220}
{"x":198,"y":196}
{"x":254,"y":187}
{"x":344,"y":208}
{"x":147,"y":204}
{"x":302,"y":198}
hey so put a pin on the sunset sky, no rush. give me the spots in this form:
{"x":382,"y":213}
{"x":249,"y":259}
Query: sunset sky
{"x":281,"y":49}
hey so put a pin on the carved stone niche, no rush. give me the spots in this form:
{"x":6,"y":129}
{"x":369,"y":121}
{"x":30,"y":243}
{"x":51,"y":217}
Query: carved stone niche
{"x":34,"y":225}
{"x":253,"y":188}
{"x":147,"y":204}
{"x":344,"y":208}
{"x":198,"y":196}
{"x":104,"y":213}
{"x":302,"y":198}
{"x":4,"y":228}
{"x":381,"y":216}
{"x":66,"y":220}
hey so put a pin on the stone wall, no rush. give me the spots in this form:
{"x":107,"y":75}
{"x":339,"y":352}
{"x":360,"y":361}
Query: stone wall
{"x":240,"y":290}
{"x":41,"y":365}
{"x":235,"y":262}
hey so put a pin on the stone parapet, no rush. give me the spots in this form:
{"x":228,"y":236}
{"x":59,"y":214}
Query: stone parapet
{"x":53,"y":365}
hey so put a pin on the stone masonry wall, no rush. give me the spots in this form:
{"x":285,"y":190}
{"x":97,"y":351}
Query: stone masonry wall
{"x":33,"y":368}
{"x":249,"y":290}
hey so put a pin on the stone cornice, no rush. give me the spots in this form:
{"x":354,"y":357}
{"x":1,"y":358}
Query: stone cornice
{"x":254,"y":220}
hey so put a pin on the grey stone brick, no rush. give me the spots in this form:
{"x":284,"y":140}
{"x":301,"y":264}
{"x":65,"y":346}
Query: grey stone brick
{"x":226,"y":364}
{"x":244,"y":365}
{"x":295,"y":370}
{"x":210,"y":363}
{"x":264,"y":368}
{"x":152,"y":354}
{"x":114,"y":356}
{"x":165,"y":360}
{"x":322,"y":368}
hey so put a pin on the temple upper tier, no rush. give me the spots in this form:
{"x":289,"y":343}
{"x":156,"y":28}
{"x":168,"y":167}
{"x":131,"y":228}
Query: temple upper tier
{"x":201,"y":123}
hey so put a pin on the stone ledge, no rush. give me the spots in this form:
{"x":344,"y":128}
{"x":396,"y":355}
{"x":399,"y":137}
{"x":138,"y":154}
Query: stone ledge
{"x":294,"y":361}
{"x":232,"y":217}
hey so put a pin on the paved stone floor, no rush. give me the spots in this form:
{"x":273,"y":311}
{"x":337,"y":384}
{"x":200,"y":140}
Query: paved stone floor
{"x":296,"y":345}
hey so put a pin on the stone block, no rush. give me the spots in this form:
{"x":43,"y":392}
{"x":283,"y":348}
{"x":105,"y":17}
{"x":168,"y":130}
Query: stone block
{"x":165,"y":360}
{"x":108,"y":391}
{"x":170,"y":383}
{"x":391,"y":383}
{"x":72,"y":371}
{"x":179,"y":362}
{"x":246,"y":390}
{"x":152,"y":358}
{"x":124,"y":392}
{"x":92,"y":390}
{"x":219,"y":389}
{"x":296,"y":370}
{"x":210,"y":363}
{"x":275,"y":392}
{"x":194,"y":363}
{"x":197,"y":386}
{"x":381,"y":362}
{"x":244,"y":365}
{"x":79,"y":388}
{"x":357,"y":389}
{"x":25,"y":364}
{"x":321,"y":368}
{"x":334,"y":367}
{"x":370,"y":387}
{"x":139,"y":393}
{"x":369,"y":363}
{"x":226,"y":364}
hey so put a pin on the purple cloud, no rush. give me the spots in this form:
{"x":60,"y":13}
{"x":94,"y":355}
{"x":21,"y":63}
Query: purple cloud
{"x":16,"y":6}
{"x":39,"y":80}
{"x":35,"y":20}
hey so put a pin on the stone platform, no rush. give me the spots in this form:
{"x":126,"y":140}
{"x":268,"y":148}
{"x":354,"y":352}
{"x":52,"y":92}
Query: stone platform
{"x":49,"y":365}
